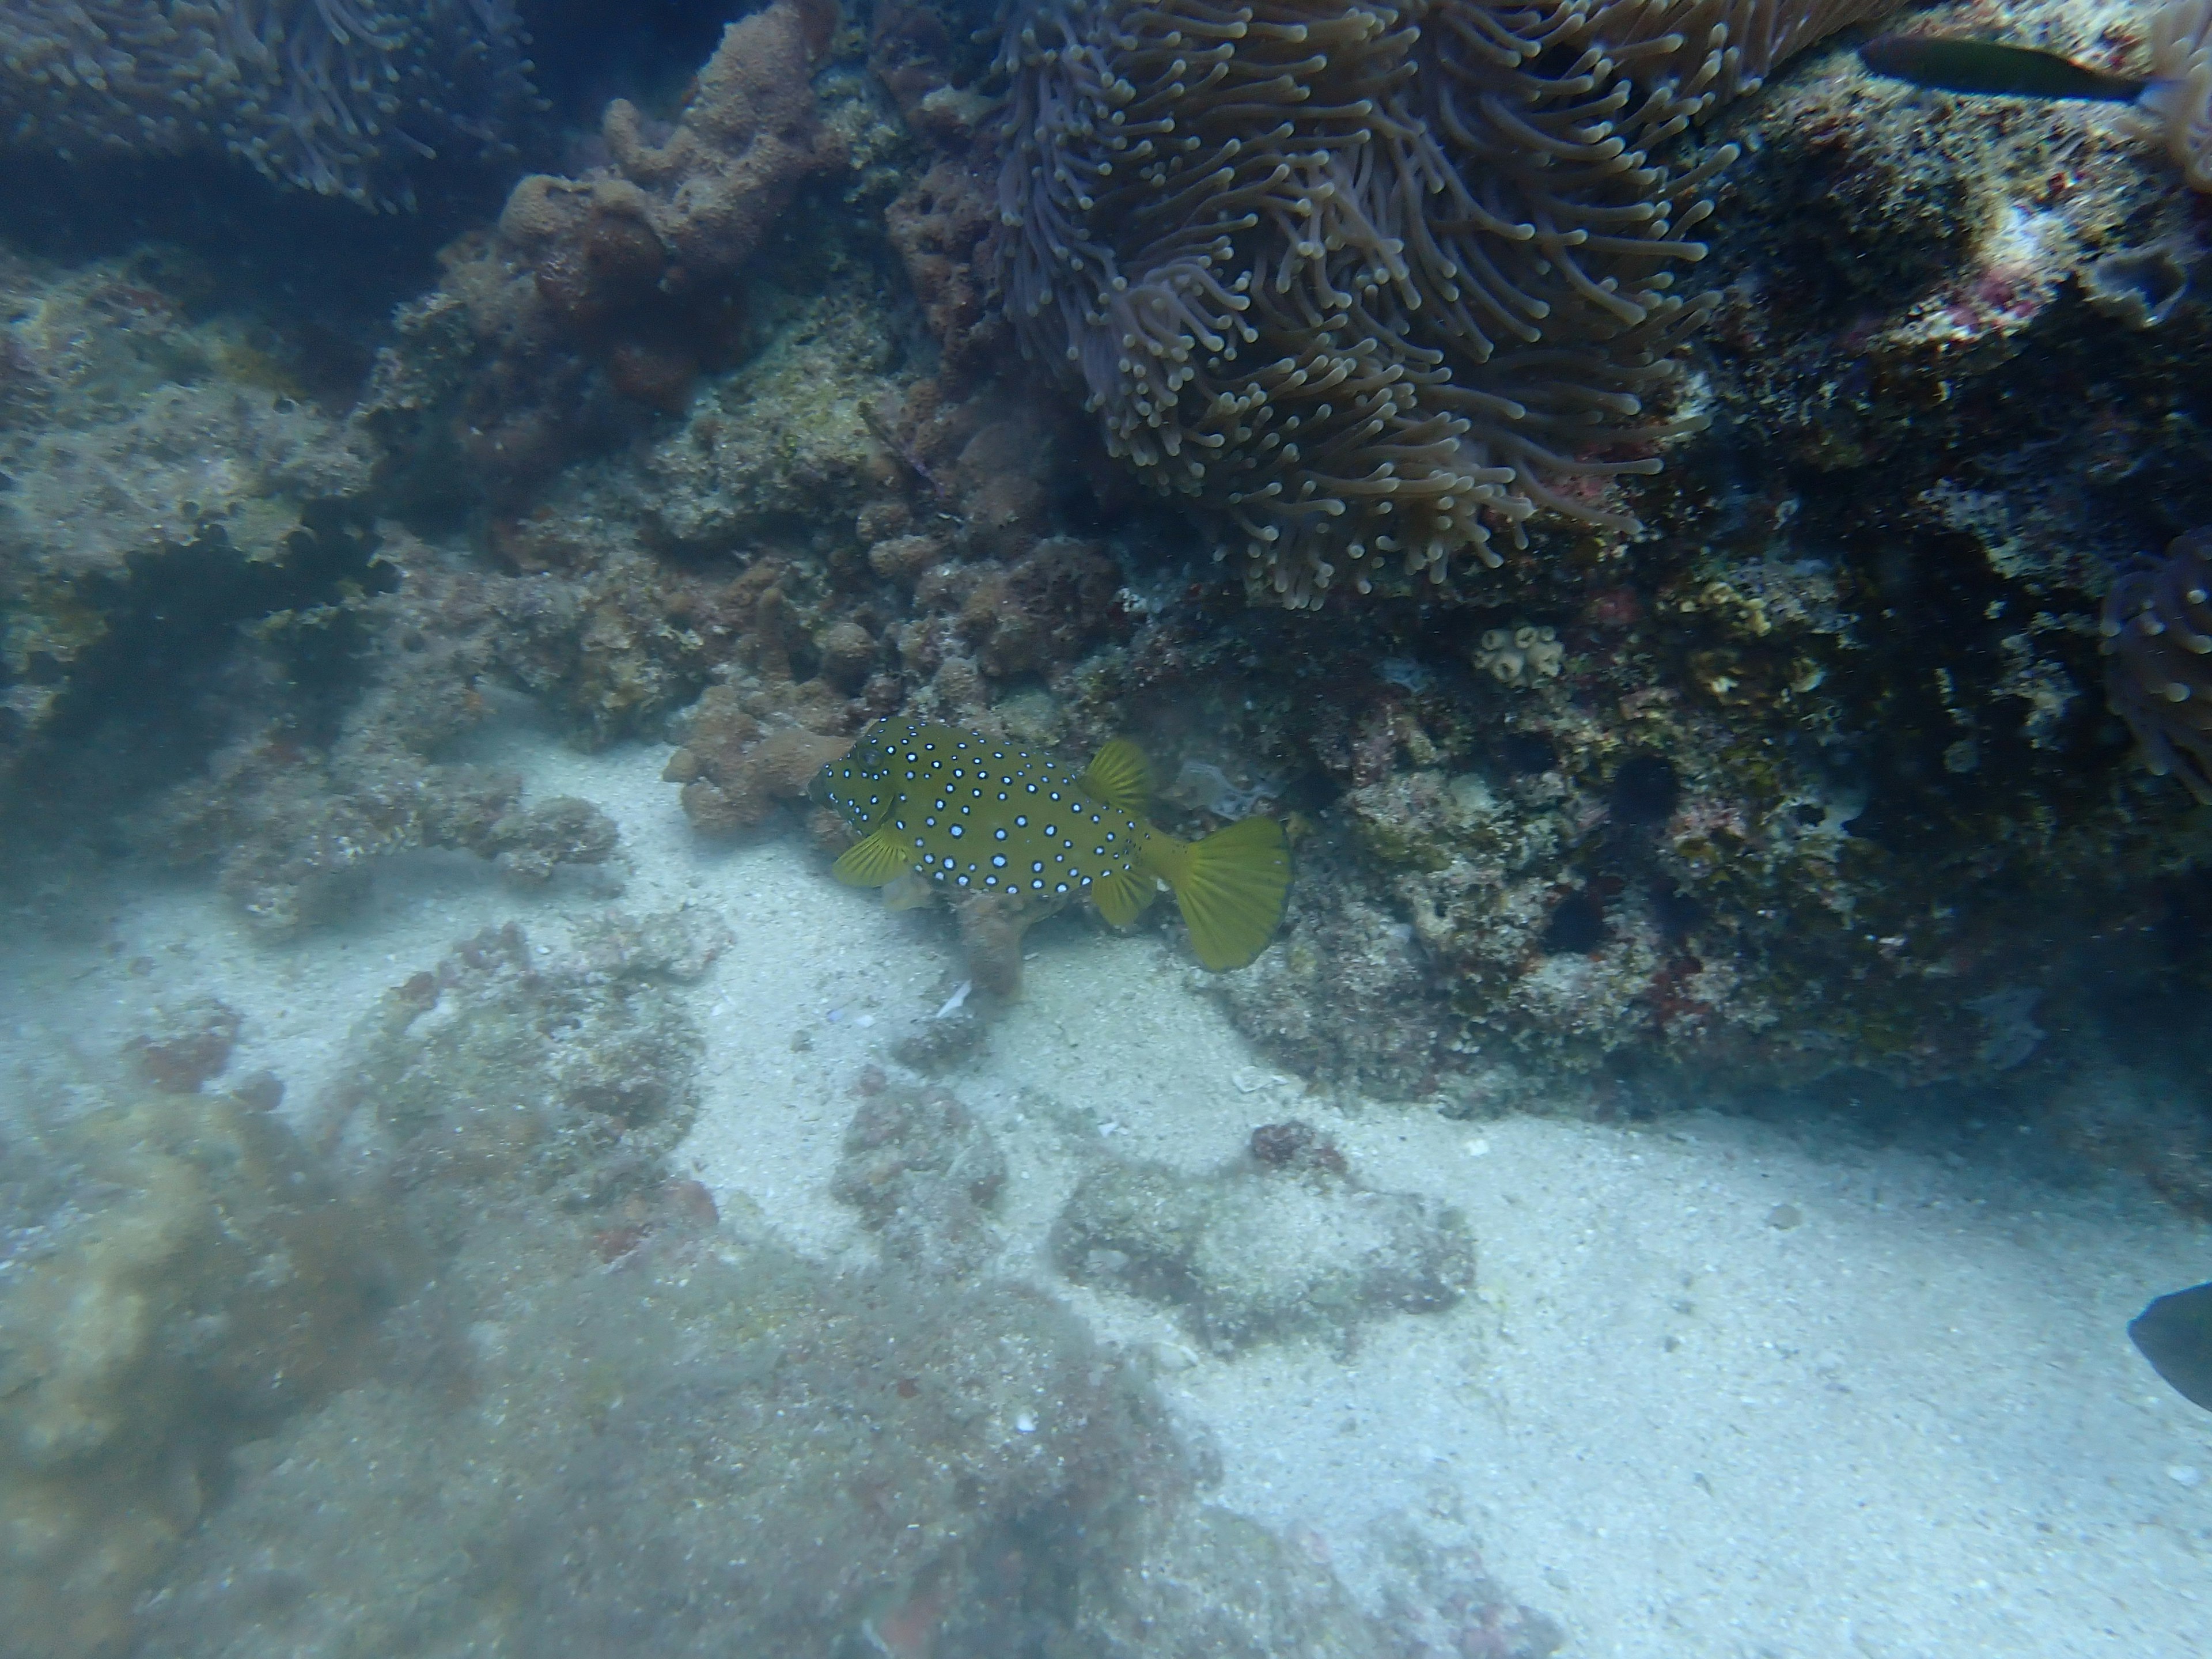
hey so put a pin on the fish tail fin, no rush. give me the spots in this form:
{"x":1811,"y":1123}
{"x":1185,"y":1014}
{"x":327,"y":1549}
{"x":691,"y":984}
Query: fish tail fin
{"x":1230,"y":885}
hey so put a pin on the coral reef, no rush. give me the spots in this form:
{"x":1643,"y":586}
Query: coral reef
{"x":167,"y":480}
{"x":338,"y":96}
{"x":1810,"y":744}
{"x":1292,"y":1246}
{"x":1750,"y":799}
{"x":597,"y":298}
{"x":297,"y":829}
{"x":1365,"y":282}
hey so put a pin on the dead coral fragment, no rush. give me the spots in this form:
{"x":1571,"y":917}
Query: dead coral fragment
{"x":1250,"y":1257}
{"x":1369,"y":280}
{"x":2157,"y":676}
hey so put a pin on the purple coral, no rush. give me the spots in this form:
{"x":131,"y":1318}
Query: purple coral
{"x":335,"y":96}
{"x":2157,"y":639}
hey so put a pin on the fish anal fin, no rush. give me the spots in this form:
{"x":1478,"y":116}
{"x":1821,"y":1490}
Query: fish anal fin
{"x":1119,"y":776}
{"x":879,"y":859}
{"x":1122,"y":898}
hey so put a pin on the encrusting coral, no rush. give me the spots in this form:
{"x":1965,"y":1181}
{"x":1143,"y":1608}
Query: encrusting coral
{"x":1370,"y":280}
{"x":2157,"y":630}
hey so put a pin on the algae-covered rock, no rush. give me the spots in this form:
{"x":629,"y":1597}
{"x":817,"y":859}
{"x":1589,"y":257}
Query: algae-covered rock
{"x":176,"y":1276}
{"x":501,"y":1068}
{"x":783,"y":447}
{"x":1250,"y":1256}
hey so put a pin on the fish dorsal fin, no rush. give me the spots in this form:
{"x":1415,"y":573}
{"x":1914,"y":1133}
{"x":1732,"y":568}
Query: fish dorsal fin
{"x":1122,"y":898}
{"x":882,"y":858}
{"x":1118,"y":776}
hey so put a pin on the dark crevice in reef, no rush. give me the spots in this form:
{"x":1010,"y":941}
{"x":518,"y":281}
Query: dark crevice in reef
{"x":207,"y":625}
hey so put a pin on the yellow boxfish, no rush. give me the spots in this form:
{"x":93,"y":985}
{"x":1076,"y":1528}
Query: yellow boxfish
{"x":970,"y":813}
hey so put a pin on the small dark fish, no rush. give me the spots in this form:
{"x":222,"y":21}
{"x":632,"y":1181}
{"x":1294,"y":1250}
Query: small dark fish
{"x":2175,"y":1334}
{"x":1951,"y":63}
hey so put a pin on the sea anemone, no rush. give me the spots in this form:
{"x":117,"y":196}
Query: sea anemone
{"x":1370,"y":281}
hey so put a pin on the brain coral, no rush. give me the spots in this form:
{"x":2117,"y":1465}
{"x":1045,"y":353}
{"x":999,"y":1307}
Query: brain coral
{"x":1368,"y":280}
{"x":335,"y":96}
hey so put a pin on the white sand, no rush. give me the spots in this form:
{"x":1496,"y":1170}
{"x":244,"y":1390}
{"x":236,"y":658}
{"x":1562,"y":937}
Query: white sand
{"x":1909,"y":1425}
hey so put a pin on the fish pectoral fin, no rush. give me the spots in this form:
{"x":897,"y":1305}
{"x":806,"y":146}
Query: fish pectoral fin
{"x":1119,"y":776}
{"x":1122,"y":898}
{"x":909,"y":892}
{"x":880,"y":858}
{"x":1231,"y":886}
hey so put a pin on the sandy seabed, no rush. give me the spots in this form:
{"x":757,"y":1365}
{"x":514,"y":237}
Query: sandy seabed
{"x":1723,"y":1389}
